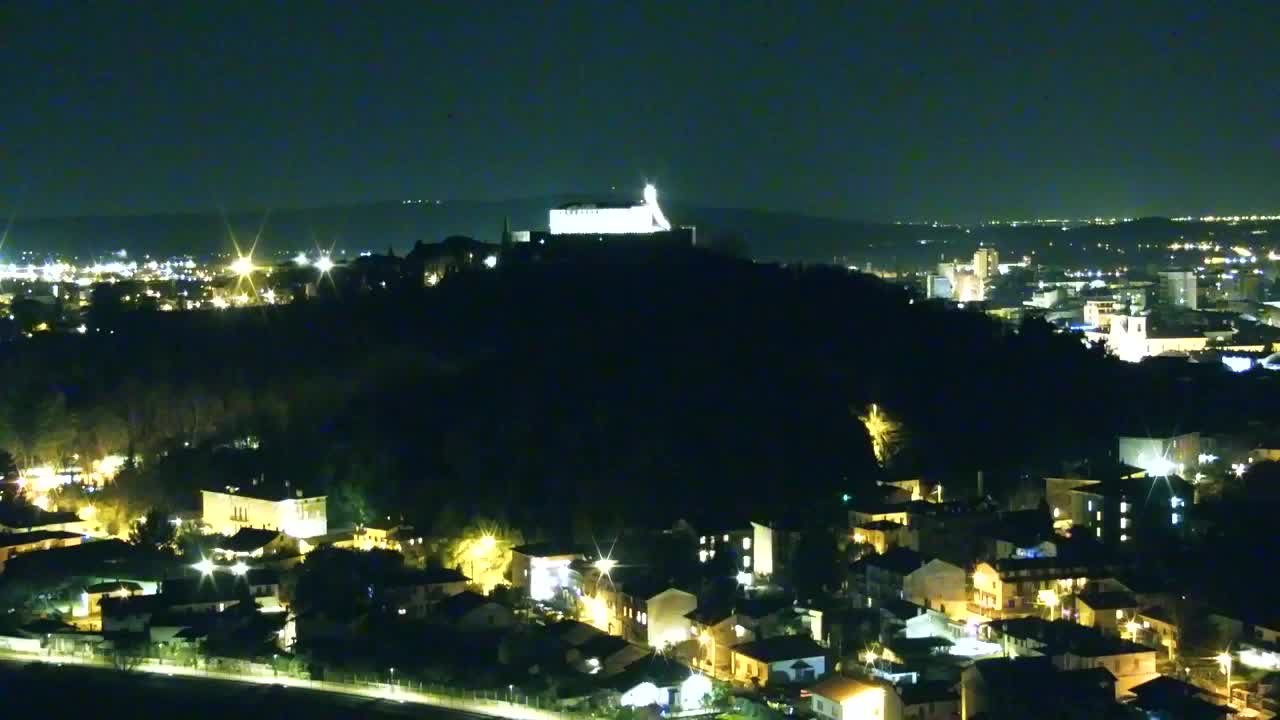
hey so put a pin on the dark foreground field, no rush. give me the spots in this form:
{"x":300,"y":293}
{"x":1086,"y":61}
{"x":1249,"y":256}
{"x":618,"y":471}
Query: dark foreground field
{"x":41,"y":691}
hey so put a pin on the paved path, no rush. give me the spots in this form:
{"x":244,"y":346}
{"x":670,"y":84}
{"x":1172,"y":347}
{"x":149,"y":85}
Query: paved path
{"x":387,"y":692}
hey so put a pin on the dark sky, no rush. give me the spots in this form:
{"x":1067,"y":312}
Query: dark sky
{"x":862,"y":110}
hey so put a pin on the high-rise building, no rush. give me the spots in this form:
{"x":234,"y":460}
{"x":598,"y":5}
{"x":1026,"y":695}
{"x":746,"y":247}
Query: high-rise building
{"x":986,"y":262}
{"x":1178,"y":287}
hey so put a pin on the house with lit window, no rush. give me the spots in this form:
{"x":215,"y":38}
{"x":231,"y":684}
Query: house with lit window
{"x":20,"y":542}
{"x":1018,"y":587}
{"x":545,"y":570}
{"x":1113,"y":613}
{"x":251,"y":543}
{"x":736,"y":543}
{"x":1121,"y":511}
{"x":1033,"y":687}
{"x":778,"y":660}
{"x":772,"y":542}
{"x":882,"y":535}
{"x":1164,"y":454}
{"x":415,"y":593}
{"x":265,"y":506}
{"x":717,"y":629}
{"x":652,"y":612}
{"x":1074,"y":647}
{"x":842,"y":698}
{"x":904,"y":574}
{"x":1159,"y":630}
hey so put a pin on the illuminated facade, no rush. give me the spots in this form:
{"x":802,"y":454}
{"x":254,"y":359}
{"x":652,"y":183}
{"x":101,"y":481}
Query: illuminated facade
{"x":602,"y":219}
{"x":298,"y":516}
{"x":543,"y":571}
{"x":778,"y":659}
{"x":1160,"y":456}
{"x":841,"y":698}
{"x":1179,"y":288}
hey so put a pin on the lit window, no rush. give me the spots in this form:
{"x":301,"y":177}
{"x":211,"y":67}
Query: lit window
{"x":1176,"y":502}
{"x":1124,"y":538}
{"x":1091,"y":506}
{"x":726,"y":537}
{"x":1119,"y":614}
{"x":1124,"y":507}
{"x":702,"y":540}
{"x":712,"y":553}
{"x":1124,"y":523}
{"x":402,"y":611}
{"x":746,"y":543}
{"x":702,"y":556}
{"x":1098,"y":515}
{"x":1056,"y":512}
{"x":1099,"y":532}
{"x":1177,"y":518}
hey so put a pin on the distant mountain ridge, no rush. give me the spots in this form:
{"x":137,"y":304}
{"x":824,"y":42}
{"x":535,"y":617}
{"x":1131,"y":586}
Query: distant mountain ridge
{"x":397,"y":225}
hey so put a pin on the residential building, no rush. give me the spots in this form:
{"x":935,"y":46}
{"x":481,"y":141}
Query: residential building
{"x":1166,"y":697}
{"x":414,"y":593}
{"x":1132,"y":338}
{"x":737,"y":544}
{"x":1124,"y":511}
{"x":1070,"y":509}
{"x":882,"y":535}
{"x":1109,"y":612}
{"x":904,"y":574}
{"x":653,"y":613}
{"x":771,"y":545}
{"x":1158,"y":630}
{"x":544,"y":570}
{"x":251,"y":543}
{"x":1031,"y":687}
{"x":662,"y":683}
{"x":471,"y":612}
{"x":385,"y":534}
{"x":1178,"y":288}
{"x":842,"y":698}
{"x":1075,"y":647}
{"x":1018,"y":587}
{"x":986,"y":263}
{"x":284,"y":509}
{"x":1161,"y":455}
{"x":779,"y":659}
{"x":717,"y":629}
{"x":93,"y":594}
{"x":17,"y":543}
{"x":929,"y":701}
{"x":1098,"y":313}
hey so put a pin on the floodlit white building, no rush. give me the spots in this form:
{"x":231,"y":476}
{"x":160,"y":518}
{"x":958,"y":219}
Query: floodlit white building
{"x":286,"y":511}
{"x":611,"y":219}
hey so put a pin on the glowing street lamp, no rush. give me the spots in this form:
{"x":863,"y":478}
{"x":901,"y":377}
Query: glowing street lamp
{"x":205,"y":566}
{"x":1225,"y":662}
{"x":239,"y":568}
{"x":243,"y":266}
{"x":605,"y":565}
{"x":1049,"y":599}
{"x":324,"y":264}
{"x":301,"y":260}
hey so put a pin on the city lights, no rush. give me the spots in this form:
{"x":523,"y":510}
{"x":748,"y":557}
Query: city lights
{"x":243,"y":266}
{"x":324,"y":264}
{"x":239,"y":568}
{"x":204,"y":567}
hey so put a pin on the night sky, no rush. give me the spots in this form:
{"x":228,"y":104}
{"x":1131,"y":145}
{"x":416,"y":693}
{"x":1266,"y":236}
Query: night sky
{"x":881,"y":111}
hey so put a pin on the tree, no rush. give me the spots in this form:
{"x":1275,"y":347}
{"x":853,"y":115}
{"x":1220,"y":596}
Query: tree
{"x":154,"y":531}
{"x":885,"y":433}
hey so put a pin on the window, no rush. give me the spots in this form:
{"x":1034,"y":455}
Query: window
{"x":1176,"y":502}
{"x":1090,"y":506}
{"x":1176,"y":518}
{"x":1099,"y":532}
{"x":746,"y":562}
{"x":746,"y":543}
{"x":1056,"y":512}
{"x":702,"y":556}
{"x":1124,"y":538}
{"x":726,"y":537}
{"x":1124,"y":523}
{"x":1119,"y":614}
{"x":1098,"y":516}
{"x":1124,"y":507}
{"x":702,"y":540}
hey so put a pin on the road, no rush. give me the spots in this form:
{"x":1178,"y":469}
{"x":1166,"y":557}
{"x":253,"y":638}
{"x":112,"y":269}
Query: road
{"x":321,"y":699}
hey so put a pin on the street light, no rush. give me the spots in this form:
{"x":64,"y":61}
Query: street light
{"x":240,"y":568}
{"x":205,"y":566}
{"x":1224,"y":661}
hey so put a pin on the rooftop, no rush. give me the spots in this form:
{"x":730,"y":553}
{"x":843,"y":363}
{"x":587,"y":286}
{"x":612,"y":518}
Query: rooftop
{"x":840,"y":689}
{"x":928,"y":692}
{"x":1061,"y":637}
{"x":1108,"y":600}
{"x":455,"y":607}
{"x":247,"y":540}
{"x":881,"y":525}
{"x":900,"y":560}
{"x":114,"y":587}
{"x":548,"y":549}
{"x":273,"y":491}
{"x":35,"y":536}
{"x":781,"y":647}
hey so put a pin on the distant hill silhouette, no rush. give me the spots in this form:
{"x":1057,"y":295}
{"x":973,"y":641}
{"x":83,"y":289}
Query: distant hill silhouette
{"x":769,"y":235}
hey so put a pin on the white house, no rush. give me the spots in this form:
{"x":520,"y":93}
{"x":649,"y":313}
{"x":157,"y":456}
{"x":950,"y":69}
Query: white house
{"x":260,"y":507}
{"x":784,"y":658}
{"x":842,"y":698}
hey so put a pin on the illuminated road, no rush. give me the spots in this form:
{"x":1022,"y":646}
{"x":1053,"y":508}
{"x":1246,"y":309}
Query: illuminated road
{"x":387,"y":696}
